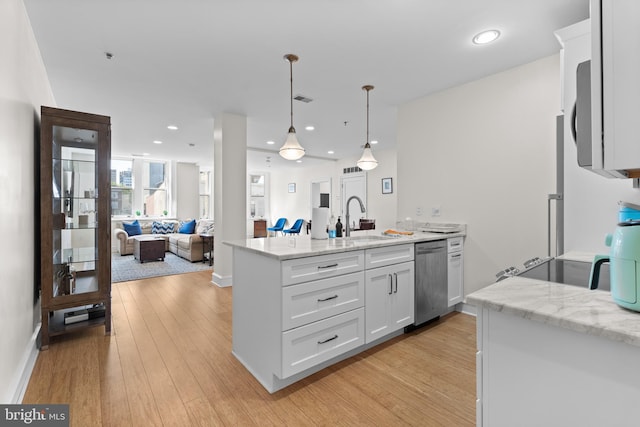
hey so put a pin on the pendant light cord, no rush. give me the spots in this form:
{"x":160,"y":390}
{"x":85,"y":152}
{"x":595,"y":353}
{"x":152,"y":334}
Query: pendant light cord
{"x":291,"y":90}
{"x":367,"y":141}
{"x":367,"y":88}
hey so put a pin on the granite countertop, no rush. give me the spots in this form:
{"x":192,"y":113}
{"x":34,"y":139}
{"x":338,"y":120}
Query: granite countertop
{"x":291,"y":247}
{"x":571,"y":307}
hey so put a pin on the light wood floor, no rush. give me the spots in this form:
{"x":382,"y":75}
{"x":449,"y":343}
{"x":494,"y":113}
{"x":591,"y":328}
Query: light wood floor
{"x":169,"y":362}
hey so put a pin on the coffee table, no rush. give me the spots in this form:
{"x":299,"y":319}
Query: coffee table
{"x":148,"y":248}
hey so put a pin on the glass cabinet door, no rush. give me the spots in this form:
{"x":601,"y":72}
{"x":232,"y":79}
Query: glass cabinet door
{"x":75,"y":188}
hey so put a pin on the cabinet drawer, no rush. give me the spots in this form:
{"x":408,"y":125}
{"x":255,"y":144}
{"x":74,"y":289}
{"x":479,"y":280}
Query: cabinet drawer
{"x":309,"y":345}
{"x":454,"y":244}
{"x":379,"y":257}
{"x":320,"y":267}
{"x":313,"y":301}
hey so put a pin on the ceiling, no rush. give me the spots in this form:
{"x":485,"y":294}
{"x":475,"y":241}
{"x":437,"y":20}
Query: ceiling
{"x":182,"y":62}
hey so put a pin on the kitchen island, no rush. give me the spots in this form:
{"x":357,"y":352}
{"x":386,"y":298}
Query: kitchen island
{"x":554,"y":355}
{"x":300,"y":305}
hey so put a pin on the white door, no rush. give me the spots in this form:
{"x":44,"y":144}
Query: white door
{"x":354,"y":185}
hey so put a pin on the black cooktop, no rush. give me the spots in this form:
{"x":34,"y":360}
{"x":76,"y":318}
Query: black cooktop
{"x":568,"y":272}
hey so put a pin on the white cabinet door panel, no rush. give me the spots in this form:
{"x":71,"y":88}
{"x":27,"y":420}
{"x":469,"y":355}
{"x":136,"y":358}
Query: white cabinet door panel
{"x":320,"y":267}
{"x":312,"y":301}
{"x":309,"y":345}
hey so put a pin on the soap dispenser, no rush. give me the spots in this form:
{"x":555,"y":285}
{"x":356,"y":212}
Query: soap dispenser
{"x":332,"y":227}
{"x":338,"y":228}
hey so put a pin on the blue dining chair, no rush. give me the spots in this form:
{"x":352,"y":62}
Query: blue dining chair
{"x":279,"y":226}
{"x":296,"y":227}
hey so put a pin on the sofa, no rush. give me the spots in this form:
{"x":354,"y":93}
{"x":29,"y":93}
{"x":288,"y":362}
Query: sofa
{"x":184,"y":244}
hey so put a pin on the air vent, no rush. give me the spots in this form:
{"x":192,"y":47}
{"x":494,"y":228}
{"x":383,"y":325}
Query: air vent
{"x":302,"y":98}
{"x":352,"y":169}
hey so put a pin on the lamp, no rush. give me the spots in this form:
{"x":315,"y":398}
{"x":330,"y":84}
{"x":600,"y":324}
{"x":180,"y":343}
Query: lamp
{"x":291,"y":150}
{"x":367,"y":162}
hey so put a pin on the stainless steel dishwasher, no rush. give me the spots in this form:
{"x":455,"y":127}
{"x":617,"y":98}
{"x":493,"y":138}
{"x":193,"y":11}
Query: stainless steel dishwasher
{"x":430,"y":280}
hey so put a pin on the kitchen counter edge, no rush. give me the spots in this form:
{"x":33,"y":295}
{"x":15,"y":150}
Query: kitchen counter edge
{"x":285,"y":248}
{"x":570,"y":307}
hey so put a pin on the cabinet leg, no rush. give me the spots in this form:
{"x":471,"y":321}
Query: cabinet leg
{"x":107,"y":319}
{"x":44,"y":330}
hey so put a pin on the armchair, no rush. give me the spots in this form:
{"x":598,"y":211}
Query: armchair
{"x":296,"y":227}
{"x":279,"y":226}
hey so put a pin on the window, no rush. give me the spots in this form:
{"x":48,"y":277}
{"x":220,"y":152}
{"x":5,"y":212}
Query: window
{"x":121,"y":187}
{"x":154,"y":191}
{"x":205,"y":194}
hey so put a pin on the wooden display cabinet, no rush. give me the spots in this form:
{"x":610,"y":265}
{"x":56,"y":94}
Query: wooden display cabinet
{"x":75,"y":187}
{"x":259,"y":228}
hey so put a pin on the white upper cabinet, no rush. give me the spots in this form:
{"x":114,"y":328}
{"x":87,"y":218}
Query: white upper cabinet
{"x":615,"y":66}
{"x":608,"y":138}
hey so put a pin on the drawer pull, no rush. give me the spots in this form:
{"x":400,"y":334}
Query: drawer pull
{"x":390,"y":284}
{"x":395,"y":276}
{"x":328,"y":266}
{"x":327,"y":298}
{"x":328,"y":339}
{"x":455,"y":256}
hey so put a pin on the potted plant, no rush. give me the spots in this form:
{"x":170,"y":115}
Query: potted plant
{"x":138,"y":213}
{"x":165,"y":212}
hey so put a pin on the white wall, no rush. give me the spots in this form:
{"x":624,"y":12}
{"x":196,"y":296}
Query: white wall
{"x":381,"y":207}
{"x":591,"y":204}
{"x":24,"y":87}
{"x":187,"y":190}
{"x":484,"y":152}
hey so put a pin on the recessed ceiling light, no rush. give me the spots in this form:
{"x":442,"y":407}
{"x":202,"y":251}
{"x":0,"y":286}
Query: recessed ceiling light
{"x":146,"y":154}
{"x":309,"y":127}
{"x":374,"y":142}
{"x":270,"y":142}
{"x":157,"y":142}
{"x":298,"y":161}
{"x":172,"y":127}
{"x":330,"y":152}
{"x":486,"y":37}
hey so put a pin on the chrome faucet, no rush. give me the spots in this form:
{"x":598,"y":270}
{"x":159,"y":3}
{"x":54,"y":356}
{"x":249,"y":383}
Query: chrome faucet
{"x":347,"y":231}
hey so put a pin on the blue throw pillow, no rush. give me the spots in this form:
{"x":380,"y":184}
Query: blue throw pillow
{"x":133,"y":228}
{"x":188,"y":227}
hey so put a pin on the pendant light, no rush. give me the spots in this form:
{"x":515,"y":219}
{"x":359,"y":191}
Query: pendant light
{"x":367,"y":162}
{"x":291,"y":150}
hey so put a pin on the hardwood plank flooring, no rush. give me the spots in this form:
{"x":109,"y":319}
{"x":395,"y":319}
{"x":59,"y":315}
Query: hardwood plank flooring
{"x":168,"y":362}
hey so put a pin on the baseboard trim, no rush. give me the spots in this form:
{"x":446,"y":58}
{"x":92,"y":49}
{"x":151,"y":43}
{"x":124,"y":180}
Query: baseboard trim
{"x":463,"y":307}
{"x":220,"y":281}
{"x":27,"y":364}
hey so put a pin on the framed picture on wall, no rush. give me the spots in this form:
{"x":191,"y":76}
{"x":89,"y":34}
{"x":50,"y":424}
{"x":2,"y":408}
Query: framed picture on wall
{"x":387,"y":185}
{"x":292,"y":187}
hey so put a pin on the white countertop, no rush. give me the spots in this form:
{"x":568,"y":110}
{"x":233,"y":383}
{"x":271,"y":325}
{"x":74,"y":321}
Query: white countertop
{"x":290,"y":247}
{"x":571,"y":307}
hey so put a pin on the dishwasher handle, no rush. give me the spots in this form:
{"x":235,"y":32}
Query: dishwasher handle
{"x":430,"y":247}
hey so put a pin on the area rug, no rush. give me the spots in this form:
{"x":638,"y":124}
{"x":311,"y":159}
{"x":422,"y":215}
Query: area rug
{"x":126,"y":267}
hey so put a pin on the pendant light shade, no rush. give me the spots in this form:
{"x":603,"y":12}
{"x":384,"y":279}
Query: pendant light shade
{"x":367,"y":162}
{"x":291,"y":149}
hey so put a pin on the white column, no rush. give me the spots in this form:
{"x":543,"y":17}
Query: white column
{"x":230,"y":175}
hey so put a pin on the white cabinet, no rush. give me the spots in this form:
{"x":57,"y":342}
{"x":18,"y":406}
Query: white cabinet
{"x":609,"y":40}
{"x":317,"y":300}
{"x":309,"y":345}
{"x":615,"y":32}
{"x":389,"y":292}
{"x":455,"y":263}
{"x":301,"y":270}
{"x":294,"y":317}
